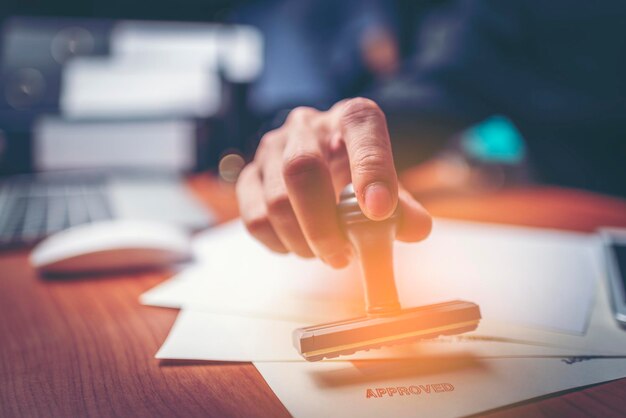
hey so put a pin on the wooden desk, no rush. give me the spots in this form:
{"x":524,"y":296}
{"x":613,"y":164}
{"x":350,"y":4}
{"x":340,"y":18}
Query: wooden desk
{"x":86,"y":347}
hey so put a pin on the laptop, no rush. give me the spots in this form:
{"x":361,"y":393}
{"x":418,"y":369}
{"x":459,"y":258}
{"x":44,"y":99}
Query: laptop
{"x":88,"y":171}
{"x":138,"y":101}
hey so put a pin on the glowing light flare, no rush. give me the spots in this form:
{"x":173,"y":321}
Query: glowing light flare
{"x":230,"y":166}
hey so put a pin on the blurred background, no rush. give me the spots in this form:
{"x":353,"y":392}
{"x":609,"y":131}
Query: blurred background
{"x":235,"y":68}
{"x":480,"y":93}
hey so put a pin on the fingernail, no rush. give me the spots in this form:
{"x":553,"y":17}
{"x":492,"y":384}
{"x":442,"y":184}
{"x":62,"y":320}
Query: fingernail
{"x":338,"y":260}
{"x":378,"y":201}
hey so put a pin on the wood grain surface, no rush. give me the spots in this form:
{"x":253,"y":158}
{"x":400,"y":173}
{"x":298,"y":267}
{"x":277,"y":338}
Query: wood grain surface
{"x":85,"y":347}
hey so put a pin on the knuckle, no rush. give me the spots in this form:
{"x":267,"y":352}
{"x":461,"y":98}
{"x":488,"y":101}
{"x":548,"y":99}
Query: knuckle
{"x":319,"y":125}
{"x":300,"y":114}
{"x":369,"y":160}
{"x":279,"y":205}
{"x":301,"y":164}
{"x":267,"y":141}
{"x":257,"y":225}
{"x":244,"y":179}
{"x":361,"y":109}
{"x":245,"y":173}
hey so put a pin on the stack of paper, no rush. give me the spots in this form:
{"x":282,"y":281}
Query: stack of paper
{"x":114,"y":88}
{"x":59,"y":144}
{"x":161,"y":69}
{"x":541,"y":294}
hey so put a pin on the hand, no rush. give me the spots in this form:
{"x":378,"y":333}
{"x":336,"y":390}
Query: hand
{"x":288,"y":193}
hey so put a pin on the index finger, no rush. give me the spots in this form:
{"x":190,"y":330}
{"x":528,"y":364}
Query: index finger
{"x":364,"y":131}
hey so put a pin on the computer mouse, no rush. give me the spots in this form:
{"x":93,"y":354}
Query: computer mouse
{"x":111,"y":246}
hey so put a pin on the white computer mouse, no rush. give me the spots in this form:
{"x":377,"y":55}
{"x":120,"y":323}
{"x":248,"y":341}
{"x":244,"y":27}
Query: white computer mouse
{"x":117,"y":245}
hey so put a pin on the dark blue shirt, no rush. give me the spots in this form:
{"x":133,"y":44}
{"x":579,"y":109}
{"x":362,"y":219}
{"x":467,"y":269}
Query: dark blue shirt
{"x":557,"y":68}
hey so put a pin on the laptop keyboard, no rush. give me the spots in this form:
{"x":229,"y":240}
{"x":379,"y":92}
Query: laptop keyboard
{"x":32,"y":207}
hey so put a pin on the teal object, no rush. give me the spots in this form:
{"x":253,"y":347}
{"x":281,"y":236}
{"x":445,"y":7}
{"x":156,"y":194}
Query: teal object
{"x":494,"y":140}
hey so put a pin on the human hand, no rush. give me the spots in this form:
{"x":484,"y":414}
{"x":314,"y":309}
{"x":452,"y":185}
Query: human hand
{"x":288,"y":194}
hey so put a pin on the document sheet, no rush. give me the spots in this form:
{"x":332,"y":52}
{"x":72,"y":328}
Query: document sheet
{"x":60,"y":144}
{"x":522,"y":276}
{"x":204,"y":335}
{"x":547,"y":323}
{"x":437,"y":388}
{"x":118,"y":88}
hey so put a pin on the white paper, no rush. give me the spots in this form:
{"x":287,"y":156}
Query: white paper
{"x":241,"y":53}
{"x":191,"y":44}
{"x":61,"y":145}
{"x":525,"y":276}
{"x":235,"y":49}
{"x":102,"y":87}
{"x":228,"y":297}
{"x":528,"y":276}
{"x":446,"y":377}
{"x":437,"y":388}
{"x":235,"y":274}
{"x":198,"y":335}
{"x":203,"y":335}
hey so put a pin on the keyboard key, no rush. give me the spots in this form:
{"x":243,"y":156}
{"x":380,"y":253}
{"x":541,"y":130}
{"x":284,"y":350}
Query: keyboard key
{"x":34,"y":220}
{"x":32,"y":207}
{"x":57,"y":214}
